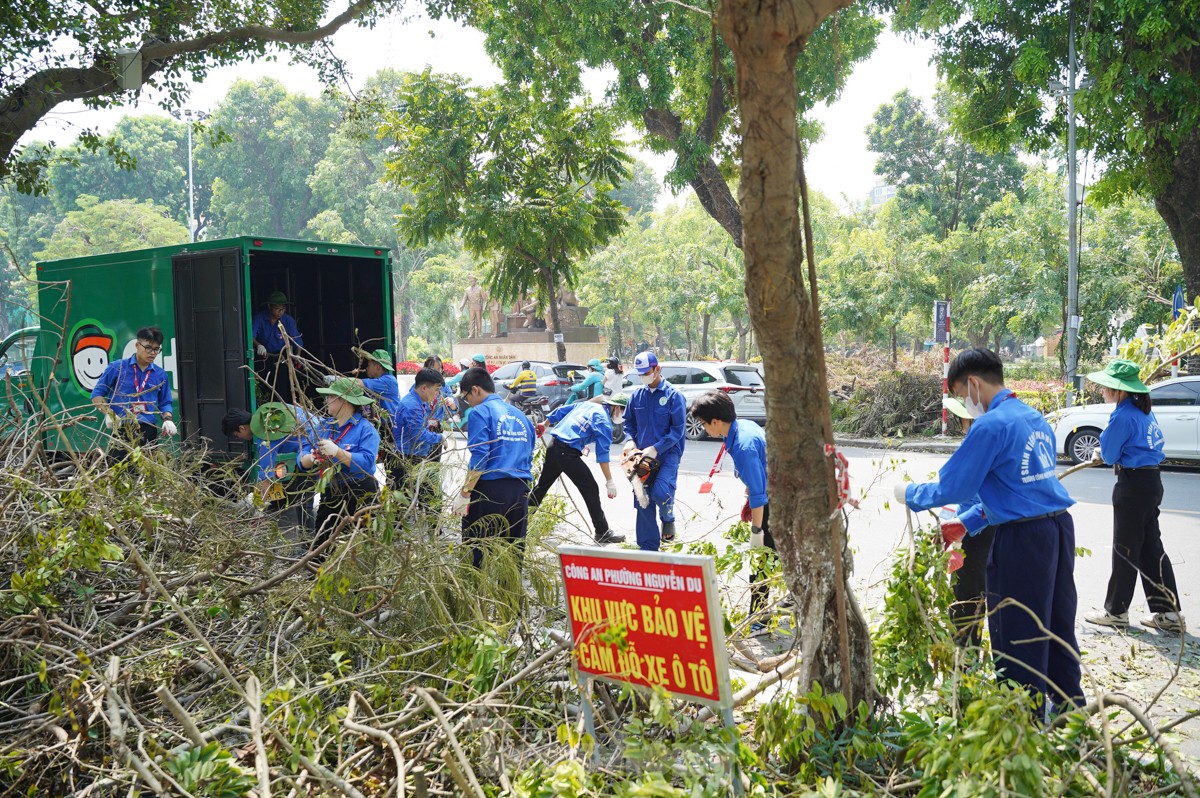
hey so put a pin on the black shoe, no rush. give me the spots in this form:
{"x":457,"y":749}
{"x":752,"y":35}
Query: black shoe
{"x":607,"y":537}
{"x":668,"y":531}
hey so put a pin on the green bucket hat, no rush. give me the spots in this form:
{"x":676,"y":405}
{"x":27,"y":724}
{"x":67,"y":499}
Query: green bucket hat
{"x":380,"y":356}
{"x":1120,"y":375}
{"x":273,"y":421}
{"x":619,"y":399}
{"x":277,"y":298}
{"x":349,"y":389}
{"x":955,"y":406}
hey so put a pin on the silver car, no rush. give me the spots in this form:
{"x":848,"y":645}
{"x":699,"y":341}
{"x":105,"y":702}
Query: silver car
{"x":743,"y":383}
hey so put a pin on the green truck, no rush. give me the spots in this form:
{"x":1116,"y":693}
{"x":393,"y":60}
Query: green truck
{"x":203,"y":296}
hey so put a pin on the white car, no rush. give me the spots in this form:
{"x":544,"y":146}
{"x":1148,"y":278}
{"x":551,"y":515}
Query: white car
{"x":1176,"y":405}
{"x":743,"y":383}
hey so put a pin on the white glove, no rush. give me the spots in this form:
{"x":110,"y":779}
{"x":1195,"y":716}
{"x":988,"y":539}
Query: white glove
{"x":248,"y":502}
{"x":460,"y":505}
{"x":757,"y":538}
{"x":330,"y":379}
{"x":108,"y":420}
{"x":260,"y":350}
{"x":328,"y":447}
{"x":650,"y":451}
{"x":169,"y":428}
{"x":901,"y":491}
{"x":1096,"y":456}
{"x":612,"y":489}
{"x":547,"y":438}
{"x":629,"y":447}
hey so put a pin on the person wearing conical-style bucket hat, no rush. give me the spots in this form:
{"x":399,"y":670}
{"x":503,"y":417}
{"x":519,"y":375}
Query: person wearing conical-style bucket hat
{"x":343,"y":457}
{"x":1132,"y":443}
{"x":380,"y":383}
{"x":275,"y":332}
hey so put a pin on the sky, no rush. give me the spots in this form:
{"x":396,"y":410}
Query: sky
{"x":839,"y":166}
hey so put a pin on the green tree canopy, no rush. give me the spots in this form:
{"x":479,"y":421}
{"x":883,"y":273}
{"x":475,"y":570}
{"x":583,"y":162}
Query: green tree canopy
{"x":112,"y":226}
{"x":523,"y":178}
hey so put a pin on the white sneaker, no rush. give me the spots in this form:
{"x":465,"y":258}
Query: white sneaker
{"x":1164,"y":621}
{"x":1105,"y":618}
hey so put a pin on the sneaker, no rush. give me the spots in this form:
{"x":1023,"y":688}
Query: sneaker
{"x":609,"y":537}
{"x":1164,"y":621}
{"x":757,"y":629}
{"x":1106,"y":618}
{"x":668,"y":531}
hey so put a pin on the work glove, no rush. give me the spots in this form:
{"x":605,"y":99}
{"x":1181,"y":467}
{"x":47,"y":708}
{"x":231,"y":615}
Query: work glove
{"x":746,"y":516}
{"x":953,"y":531}
{"x":108,"y":420}
{"x":260,"y":350}
{"x":757,"y":538}
{"x":1096,"y":456}
{"x":629,"y":447}
{"x":328,"y":448}
{"x":650,"y":452}
{"x":612,"y":488}
{"x":248,"y":502}
{"x":330,"y":379}
{"x":547,"y":439}
{"x":460,"y":505}
{"x":169,"y":429}
{"x":901,"y":491}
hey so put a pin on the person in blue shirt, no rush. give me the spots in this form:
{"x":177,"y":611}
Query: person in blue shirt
{"x":570,"y":430}
{"x":134,"y":395}
{"x":347,"y":444}
{"x":592,"y":385}
{"x":271,"y":329}
{"x":276,"y":430}
{"x":1132,"y":443}
{"x":380,"y":383}
{"x":654,"y":424}
{"x":445,"y":401}
{"x":747,"y":447}
{"x":1008,"y":460}
{"x":495,"y":496}
{"x":415,"y":442}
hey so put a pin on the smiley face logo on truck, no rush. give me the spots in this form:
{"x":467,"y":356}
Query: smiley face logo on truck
{"x":90,"y":345}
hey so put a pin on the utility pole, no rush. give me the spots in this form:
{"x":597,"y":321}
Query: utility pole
{"x":1073,"y":319}
{"x":191,"y":118}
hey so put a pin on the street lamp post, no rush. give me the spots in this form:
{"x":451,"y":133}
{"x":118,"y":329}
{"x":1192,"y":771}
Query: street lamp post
{"x":191,"y":117}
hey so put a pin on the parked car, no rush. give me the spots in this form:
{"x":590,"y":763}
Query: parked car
{"x":553,"y":378}
{"x":1176,"y":405}
{"x":742,"y":382}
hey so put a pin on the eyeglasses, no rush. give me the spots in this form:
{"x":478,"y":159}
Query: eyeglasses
{"x":150,"y":350}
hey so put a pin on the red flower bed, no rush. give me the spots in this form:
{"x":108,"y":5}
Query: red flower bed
{"x":451,"y":369}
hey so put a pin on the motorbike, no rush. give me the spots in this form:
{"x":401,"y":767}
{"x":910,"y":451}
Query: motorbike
{"x":535,"y":407}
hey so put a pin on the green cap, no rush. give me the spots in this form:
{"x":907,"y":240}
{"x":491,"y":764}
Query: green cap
{"x":380,"y":356}
{"x":277,"y":298}
{"x":955,"y":406}
{"x":1120,"y":375}
{"x":349,"y":389}
{"x":620,"y":399}
{"x":273,"y":421}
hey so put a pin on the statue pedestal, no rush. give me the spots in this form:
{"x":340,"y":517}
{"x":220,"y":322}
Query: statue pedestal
{"x":537,"y":343}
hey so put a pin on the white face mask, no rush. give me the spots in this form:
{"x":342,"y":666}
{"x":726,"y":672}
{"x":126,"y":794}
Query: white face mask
{"x":974,"y":407}
{"x":646,"y":378}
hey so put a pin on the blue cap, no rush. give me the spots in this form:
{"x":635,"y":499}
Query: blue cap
{"x":645,"y":362}
{"x":478,"y":358}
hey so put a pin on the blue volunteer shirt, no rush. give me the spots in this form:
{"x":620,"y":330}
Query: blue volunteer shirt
{"x":357,"y":436}
{"x":130,"y":389}
{"x":1007,"y":459}
{"x":385,"y":390}
{"x":500,"y":439}
{"x":1132,"y":438}
{"x":747,"y":445}
{"x":973,"y":516}
{"x":411,"y":426}
{"x":439,"y":407}
{"x":266,"y":332}
{"x":656,"y":418}
{"x":582,"y":424}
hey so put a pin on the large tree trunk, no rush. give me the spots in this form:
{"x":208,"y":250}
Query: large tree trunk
{"x":616,"y":346}
{"x":766,"y":37}
{"x":705,"y":320}
{"x":1179,"y":206}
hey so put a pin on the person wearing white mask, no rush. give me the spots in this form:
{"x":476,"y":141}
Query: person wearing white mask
{"x":654,"y":422}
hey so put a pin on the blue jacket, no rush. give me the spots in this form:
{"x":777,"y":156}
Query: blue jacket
{"x":439,"y":407}
{"x":581,"y":424}
{"x":411,"y":426}
{"x":358,"y":437}
{"x":1007,"y":459}
{"x":125,"y":384}
{"x":656,"y":418}
{"x":1132,"y":438}
{"x":500,"y":439}
{"x":267,"y":333}
{"x":386,"y":390}
{"x":591,"y":387}
{"x":747,"y":445}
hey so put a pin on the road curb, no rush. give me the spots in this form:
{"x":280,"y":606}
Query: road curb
{"x":899,"y":444}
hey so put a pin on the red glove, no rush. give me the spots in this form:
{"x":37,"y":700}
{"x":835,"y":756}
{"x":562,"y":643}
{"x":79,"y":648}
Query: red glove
{"x":539,"y":428}
{"x":746,"y":512}
{"x":953,"y":531}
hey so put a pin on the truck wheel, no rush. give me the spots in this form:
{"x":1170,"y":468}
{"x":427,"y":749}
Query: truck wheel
{"x":1081,"y":444}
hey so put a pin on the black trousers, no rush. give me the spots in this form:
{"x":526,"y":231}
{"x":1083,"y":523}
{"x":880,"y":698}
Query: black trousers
{"x":1137,"y":545}
{"x":130,"y":434}
{"x":564,"y":459}
{"x":759,"y":590}
{"x":340,"y":499}
{"x":969,"y":609}
{"x":499,"y":509}
{"x":278,"y":377}
{"x":403,"y":470}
